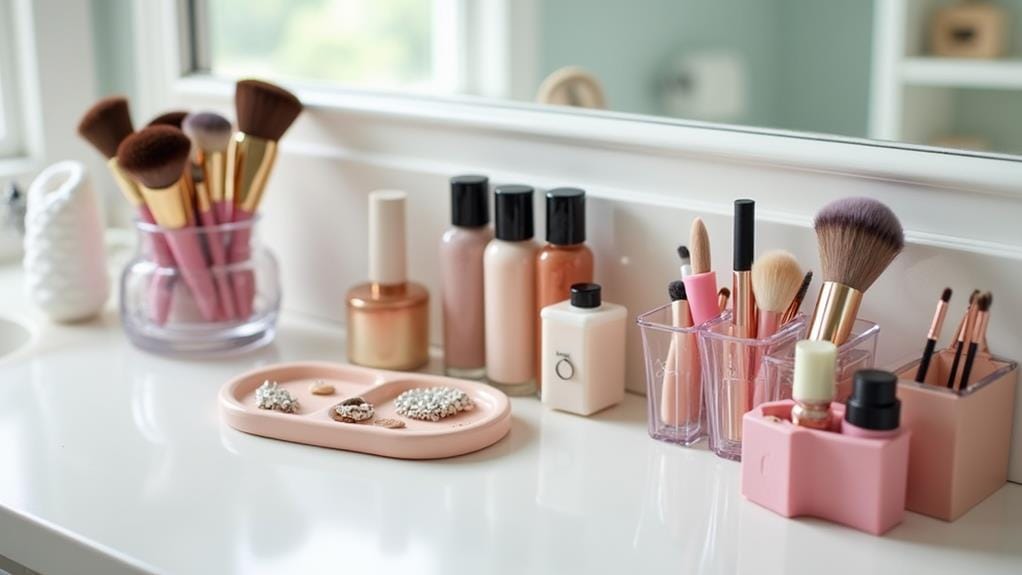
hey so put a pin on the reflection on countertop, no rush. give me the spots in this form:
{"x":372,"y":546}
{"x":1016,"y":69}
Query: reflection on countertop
{"x":124,"y":451}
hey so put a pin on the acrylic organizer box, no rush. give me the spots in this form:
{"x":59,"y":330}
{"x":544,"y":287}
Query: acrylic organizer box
{"x":961,"y":440}
{"x":796,"y":471}
{"x":485,"y":424}
{"x":674,"y":396}
{"x":178,"y":296}
{"x":734,"y":378}
{"x":859,"y":352}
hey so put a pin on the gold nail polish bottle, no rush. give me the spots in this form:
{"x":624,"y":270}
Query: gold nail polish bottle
{"x":388,"y":317}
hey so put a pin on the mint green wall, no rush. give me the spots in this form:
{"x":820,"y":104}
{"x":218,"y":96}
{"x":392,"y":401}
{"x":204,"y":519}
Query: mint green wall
{"x":113,"y":46}
{"x":807,"y":60}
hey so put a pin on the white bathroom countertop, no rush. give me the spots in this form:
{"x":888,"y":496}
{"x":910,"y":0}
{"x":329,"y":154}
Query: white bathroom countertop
{"x":116,"y":461}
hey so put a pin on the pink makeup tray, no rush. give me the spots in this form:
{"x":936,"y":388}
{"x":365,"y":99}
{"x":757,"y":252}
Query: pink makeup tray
{"x":465,"y":432}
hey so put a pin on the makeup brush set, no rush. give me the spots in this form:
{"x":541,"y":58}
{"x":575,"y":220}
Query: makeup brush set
{"x":196,"y":184}
{"x":857,"y":237}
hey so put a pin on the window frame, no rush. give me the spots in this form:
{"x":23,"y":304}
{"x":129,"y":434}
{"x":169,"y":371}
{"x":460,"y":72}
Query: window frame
{"x":12,"y":138}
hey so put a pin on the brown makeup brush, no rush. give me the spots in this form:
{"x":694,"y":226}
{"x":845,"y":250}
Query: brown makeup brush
{"x":796,"y":302}
{"x":964,"y":336}
{"x":936,"y":326}
{"x":979,"y":332}
{"x":858,"y":238}
{"x":157,"y":157}
{"x":264,"y":112}
{"x":105,"y":125}
{"x":171,"y":118}
{"x":723,"y":297}
{"x":776,"y":279}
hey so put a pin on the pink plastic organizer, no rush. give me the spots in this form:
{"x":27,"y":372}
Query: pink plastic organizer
{"x":961,"y":441}
{"x":797,"y":471}
{"x":465,"y":432}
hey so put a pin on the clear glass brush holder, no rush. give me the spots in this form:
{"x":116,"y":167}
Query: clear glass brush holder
{"x":734,"y":378}
{"x":200,"y":290}
{"x":674,"y":397}
{"x":859,"y":352}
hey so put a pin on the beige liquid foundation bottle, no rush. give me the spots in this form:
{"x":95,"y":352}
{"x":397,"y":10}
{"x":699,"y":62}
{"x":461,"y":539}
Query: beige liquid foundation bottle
{"x":461,"y":273}
{"x":388,"y":317}
{"x":509,"y":271}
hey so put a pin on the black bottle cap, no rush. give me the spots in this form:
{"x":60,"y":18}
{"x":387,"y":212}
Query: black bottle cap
{"x":745,"y":234}
{"x":513,"y":213}
{"x":566,"y":216}
{"x":874,"y":403}
{"x":470,"y":201}
{"x":586,"y":295}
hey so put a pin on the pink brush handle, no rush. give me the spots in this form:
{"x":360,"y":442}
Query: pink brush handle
{"x":224,"y":212}
{"x":191,"y":261}
{"x":218,"y":253}
{"x":702,"y":296}
{"x":242,"y":280}
{"x":161,"y":290}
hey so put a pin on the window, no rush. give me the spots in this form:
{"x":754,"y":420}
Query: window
{"x":10,"y":121}
{"x":377,"y":44}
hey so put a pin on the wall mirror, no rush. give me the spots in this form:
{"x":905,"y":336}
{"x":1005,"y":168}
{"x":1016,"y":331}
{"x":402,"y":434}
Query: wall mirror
{"x":945,"y":73}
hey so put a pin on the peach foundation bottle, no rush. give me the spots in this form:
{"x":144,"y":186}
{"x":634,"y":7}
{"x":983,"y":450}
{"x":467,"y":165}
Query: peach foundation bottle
{"x":565,"y":260}
{"x":461,"y":274}
{"x":388,"y":317}
{"x":509,"y":270}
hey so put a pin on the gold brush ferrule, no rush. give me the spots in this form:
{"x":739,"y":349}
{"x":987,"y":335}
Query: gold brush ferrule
{"x":743,"y":305}
{"x":128,"y":186}
{"x":249,"y":163}
{"x":214,"y":166}
{"x":167,"y":205}
{"x":835,"y":313}
{"x":811,"y":414}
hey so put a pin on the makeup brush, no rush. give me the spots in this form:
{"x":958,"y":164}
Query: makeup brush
{"x":858,"y":238}
{"x":171,"y":118}
{"x":701,"y":285}
{"x":264,"y":113}
{"x":681,"y":386}
{"x":686,"y":261}
{"x":157,"y":157}
{"x":796,"y":302}
{"x":936,"y":325}
{"x":963,"y":337}
{"x":105,"y":125}
{"x":961,"y":324}
{"x":983,"y":304}
{"x":743,"y":304}
{"x":210,"y":133}
{"x":723,"y":296}
{"x":776,"y":279}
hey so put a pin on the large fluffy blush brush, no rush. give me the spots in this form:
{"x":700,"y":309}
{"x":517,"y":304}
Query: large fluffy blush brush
{"x":157,"y":157}
{"x":776,"y":279}
{"x":210,"y":133}
{"x":858,"y":238}
{"x":265,"y":111}
{"x":105,"y":125}
{"x":173,"y":118}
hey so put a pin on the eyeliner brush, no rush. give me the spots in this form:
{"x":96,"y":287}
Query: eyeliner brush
{"x":936,"y":325}
{"x":796,"y":302}
{"x":978,"y":333}
{"x":963,"y":336}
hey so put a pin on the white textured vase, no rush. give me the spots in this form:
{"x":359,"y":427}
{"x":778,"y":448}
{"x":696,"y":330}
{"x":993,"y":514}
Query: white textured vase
{"x":65,"y":257}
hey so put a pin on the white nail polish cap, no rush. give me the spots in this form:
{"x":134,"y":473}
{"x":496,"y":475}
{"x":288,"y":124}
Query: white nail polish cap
{"x":387,"y":237}
{"x":814,"y":371}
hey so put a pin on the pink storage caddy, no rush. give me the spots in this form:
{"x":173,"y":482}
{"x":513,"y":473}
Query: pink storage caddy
{"x":961,"y":441}
{"x":796,"y":471}
{"x":462,"y":433}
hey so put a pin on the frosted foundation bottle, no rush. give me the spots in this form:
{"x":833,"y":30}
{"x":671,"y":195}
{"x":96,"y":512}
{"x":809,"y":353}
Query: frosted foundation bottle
{"x":583,"y":353}
{"x":461,"y":274}
{"x":565,"y":260}
{"x":509,"y":271}
{"x":388,"y":317}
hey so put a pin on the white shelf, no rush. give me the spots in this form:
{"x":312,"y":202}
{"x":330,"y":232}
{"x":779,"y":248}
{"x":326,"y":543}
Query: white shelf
{"x":962,"y":73}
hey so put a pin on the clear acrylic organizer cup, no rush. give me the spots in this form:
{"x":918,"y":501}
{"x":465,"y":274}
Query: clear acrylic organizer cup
{"x":859,"y":352}
{"x":674,"y":399}
{"x":175,"y":300}
{"x":734,"y":380}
